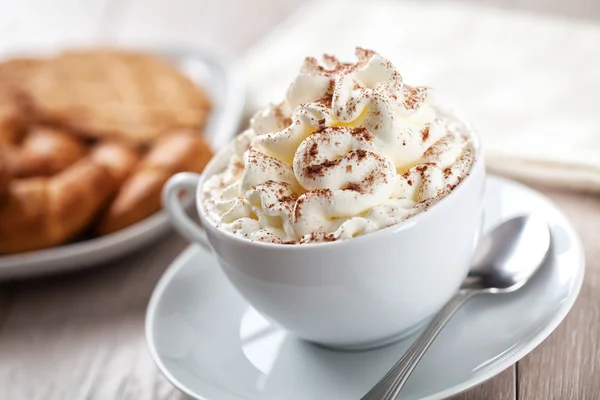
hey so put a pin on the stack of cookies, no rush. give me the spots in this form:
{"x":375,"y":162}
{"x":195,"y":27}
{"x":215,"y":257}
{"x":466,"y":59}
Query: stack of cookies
{"x":87,"y":140}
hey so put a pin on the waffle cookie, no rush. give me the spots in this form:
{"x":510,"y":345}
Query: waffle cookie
{"x":12,"y":75}
{"x":104,"y":93}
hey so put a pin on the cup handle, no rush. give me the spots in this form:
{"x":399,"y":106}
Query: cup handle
{"x":180,"y":219}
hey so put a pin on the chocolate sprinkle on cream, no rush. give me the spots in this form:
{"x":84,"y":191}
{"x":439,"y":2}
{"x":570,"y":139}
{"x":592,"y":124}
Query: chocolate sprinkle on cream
{"x":350,"y":150}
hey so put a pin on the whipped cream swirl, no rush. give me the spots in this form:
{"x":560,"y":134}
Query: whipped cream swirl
{"x":351,"y":150}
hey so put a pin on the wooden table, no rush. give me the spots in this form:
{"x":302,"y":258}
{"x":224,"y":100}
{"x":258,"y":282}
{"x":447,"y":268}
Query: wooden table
{"x":80,"y":335}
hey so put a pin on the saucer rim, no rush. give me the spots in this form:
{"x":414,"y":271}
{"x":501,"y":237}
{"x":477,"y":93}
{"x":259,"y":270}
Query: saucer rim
{"x":518,"y":352}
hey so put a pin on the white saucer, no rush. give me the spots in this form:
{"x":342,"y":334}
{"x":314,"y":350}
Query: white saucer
{"x":211,"y":345}
{"x":215,"y":74}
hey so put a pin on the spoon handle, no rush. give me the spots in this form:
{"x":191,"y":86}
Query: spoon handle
{"x":390,"y":385}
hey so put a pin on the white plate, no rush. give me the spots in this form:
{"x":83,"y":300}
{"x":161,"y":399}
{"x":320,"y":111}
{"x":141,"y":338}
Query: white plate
{"x":212,"y":345}
{"x":223,"y":83}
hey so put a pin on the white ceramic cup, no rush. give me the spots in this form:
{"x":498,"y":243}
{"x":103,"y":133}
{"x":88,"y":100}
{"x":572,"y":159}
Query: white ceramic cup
{"x":351,"y":294}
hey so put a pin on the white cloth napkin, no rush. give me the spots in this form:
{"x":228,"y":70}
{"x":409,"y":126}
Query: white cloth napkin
{"x":529,"y":84}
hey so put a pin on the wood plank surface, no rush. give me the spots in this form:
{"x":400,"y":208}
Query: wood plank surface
{"x":567,"y":364}
{"x":80,"y":335}
{"x":500,"y":387}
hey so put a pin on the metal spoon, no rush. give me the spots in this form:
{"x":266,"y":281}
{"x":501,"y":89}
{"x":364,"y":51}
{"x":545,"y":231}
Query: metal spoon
{"x":504,"y":261}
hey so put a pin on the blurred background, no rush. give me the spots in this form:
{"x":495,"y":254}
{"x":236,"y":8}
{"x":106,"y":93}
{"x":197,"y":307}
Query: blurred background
{"x":526,"y":73}
{"x":232,"y":25}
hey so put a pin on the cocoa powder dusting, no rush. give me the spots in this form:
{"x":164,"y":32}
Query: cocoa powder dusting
{"x":371,"y":180}
{"x":318,"y":237}
{"x":287,"y":199}
{"x":320,"y":169}
{"x":330,"y":237}
{"x":325,"y":101}
{"x":354,"y":186}
{"x":311,"y":65}
{"x":364,"y":55}
{"x":413,"y":97}
{"x":330,"y":59}
{"x":425,"y":134}
{"x":329,"y":143}
{"x":327,"y":193}
{"x":362,"y":134}
{"x":297,"y":211}
{"x":423,"y":167}
{"x":361,"y":154}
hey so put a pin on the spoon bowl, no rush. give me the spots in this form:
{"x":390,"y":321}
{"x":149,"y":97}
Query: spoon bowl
{"x":509,"y":255}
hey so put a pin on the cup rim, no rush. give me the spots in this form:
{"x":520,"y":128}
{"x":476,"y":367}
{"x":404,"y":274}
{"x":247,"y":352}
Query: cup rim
{"x":397,"y":227}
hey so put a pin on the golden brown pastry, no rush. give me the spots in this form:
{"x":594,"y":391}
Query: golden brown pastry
{"x":42,"y":212}
{"x":13,"y":71}
{"x":140,"y":195}
{"x":4,"y":178}
{"x":13,"y":74}
{"x":11,"y":121}
{"x":12,"y":116}
{"x":44,"y":151}
{"x":110,"y":93}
